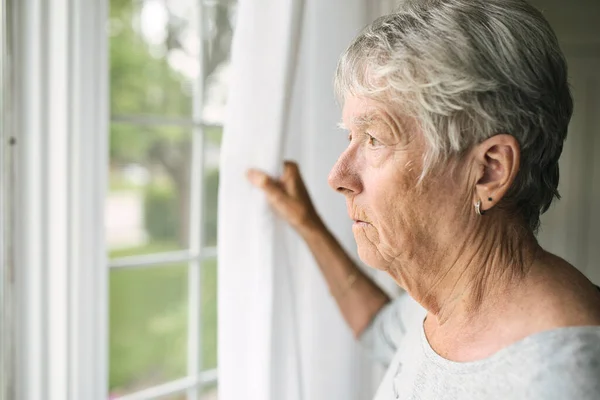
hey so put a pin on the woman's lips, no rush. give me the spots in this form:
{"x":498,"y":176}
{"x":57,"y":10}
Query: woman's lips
{"x":358,"y":222}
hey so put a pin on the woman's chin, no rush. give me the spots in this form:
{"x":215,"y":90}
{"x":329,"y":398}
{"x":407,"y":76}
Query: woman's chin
{"x":367,"y":252}
{"x":368,"y":255}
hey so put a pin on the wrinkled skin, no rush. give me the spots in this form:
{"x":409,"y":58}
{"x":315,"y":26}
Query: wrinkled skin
{"x":405,"y":223}
{"x":484,"y":280}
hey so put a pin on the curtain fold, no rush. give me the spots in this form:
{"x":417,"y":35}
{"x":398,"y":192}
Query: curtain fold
{"x":263,"y":52}
{"x":281,"y":335}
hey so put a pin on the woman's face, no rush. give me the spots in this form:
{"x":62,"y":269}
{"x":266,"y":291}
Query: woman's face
{"x":396,"y":220}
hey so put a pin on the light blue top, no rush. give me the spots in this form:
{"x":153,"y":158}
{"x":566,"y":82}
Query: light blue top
{"x":558,"y":364}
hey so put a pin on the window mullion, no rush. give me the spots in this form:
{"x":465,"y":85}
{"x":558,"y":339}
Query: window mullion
{"x":174,"y":387}
{"x":196,"y":219}
{"x":149,"y":260}
{"x":166,"y":389}
{"x":209,"y":253}
{"x":88,"y":296}
{"x":151,"y":121}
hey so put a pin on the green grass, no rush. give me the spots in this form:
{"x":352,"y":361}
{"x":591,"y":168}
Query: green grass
{"x":148,"y":322}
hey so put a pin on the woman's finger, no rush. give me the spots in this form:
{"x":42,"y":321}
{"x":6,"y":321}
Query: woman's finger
{"x":291,"y":174}
{"x":287,"y":196}
{"x":256,"y":177}
{"x":271,"y":187}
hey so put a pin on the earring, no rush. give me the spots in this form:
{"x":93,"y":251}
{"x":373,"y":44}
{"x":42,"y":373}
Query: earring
{"x":478,"y":210}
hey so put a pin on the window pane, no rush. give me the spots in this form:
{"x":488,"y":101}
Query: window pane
{"x":209,"y":314}
{"x":148,"y":201}
{"x":154,"y":56}
{"x":212,"y":151}
{"x":148,"y":327}
{"x":210,"y":392}
{"x":219,"y":18}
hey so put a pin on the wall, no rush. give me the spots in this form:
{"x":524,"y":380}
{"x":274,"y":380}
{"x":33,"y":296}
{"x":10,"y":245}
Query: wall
{"x":571,"y":228}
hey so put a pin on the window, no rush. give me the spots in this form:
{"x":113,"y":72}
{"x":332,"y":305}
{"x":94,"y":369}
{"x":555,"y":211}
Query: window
{"x":6,"y":216}
{"x":168,"y":81}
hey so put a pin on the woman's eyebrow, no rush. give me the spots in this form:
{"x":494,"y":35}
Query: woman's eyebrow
{"x":360,"y":121}
{"x":365,"y":119}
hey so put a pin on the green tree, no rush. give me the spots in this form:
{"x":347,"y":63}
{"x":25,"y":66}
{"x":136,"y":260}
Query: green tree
{"x":144,"y":83}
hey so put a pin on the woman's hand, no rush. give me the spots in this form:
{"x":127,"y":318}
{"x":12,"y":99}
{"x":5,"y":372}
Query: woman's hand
{"x":288,"y":197}
{"x":358,"y":297}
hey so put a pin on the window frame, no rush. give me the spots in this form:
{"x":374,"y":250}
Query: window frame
{"x":196,"y":253}
{"x":60,"y":125}
{"x":60,"y":118}
{"x":7,"y":363}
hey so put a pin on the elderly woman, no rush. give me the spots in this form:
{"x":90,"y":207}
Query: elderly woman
{"x":457,"y":111}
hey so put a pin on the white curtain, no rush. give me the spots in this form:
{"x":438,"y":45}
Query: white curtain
{"x":280,"y":333}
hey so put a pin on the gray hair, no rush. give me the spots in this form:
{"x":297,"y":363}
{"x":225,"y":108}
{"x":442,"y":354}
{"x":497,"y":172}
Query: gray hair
{"x":467,"y":70}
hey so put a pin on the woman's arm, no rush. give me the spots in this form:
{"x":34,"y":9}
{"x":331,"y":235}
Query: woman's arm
{"x":357,"y":296}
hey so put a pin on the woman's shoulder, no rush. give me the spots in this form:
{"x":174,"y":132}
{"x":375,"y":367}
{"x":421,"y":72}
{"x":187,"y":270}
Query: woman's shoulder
{"x":574,"y":350}
{"x":563,"y":296}
{"x":566,"y":363}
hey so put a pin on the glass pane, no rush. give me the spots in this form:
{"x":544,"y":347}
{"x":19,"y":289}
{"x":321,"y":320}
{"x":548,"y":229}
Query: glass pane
{"x":218,"y":30}
{"x":148,"y":327}
{"x":154,"y":56}
{"x":212,"y":151}
{"x":147,"y":209}
{"x":210,"y":392}
{"x":209,"y":314}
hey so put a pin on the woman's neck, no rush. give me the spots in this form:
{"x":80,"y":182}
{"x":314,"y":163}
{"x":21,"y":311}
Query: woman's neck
{"x":474,"y":275}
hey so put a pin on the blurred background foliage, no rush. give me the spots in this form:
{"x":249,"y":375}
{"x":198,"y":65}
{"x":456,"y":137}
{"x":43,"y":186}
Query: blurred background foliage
{"x":148,"y":306}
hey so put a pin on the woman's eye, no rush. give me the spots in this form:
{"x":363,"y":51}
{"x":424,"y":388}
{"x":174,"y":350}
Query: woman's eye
{"x":349,"y":137}
{"x":373,"y":141}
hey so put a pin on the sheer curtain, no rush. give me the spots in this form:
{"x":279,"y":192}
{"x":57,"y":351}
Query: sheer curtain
{"x":280,"y":333}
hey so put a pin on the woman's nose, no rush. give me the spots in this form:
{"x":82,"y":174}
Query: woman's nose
{"x":343,"y":177}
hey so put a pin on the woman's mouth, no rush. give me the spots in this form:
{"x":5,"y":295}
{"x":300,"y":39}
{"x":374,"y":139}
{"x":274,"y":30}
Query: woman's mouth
{"x":358,"y":222}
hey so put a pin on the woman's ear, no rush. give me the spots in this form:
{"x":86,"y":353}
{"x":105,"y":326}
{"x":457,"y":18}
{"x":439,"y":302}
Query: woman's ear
{"x":499,"y":157}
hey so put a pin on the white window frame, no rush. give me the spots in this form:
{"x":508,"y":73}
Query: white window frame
{"x":60,"y":116}
{"x":7,"y":364}
{"x":61,"y":124}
